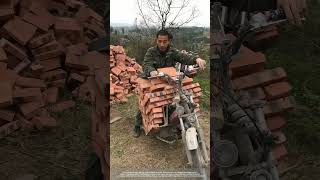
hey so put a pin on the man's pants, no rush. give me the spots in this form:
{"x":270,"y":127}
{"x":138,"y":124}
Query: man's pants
{"x":138,"y":120}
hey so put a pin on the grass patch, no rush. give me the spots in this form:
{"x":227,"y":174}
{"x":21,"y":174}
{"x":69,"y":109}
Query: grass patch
{"x":128,"y":109}
{"x":298,"y":52}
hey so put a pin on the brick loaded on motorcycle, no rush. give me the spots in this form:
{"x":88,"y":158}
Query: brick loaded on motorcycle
{"x":168,"y":104}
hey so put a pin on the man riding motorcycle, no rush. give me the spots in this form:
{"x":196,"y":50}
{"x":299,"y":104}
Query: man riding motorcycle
{"x":160,"y":56}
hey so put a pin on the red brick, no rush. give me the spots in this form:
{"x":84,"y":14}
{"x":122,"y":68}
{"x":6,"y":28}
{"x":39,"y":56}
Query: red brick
{"x":12,"y":61}
{"x":44,"y":122}
{"x":131,"y":70}
{"x":30,"y":109}
{"x":8,"y":76}
{"x":266,"y":35}
{"x":279,"y":152}
{"x":41,"y":40}
{"x":53,"y":75}
{"x":116,"y":71}
{"x":120,"y":58}
{"x":26,"y":94}
{"x":61,"y":106}
{"x":260,"y":79}
{"x":94,"y":60}
{"x":171,"y":71}
{"x":6,"y":14}
{"x":156,"y":81}
{"x":247,"y":62}
{"x":53,"y":93}
{"x":49,"y":54}
{"x":8,"y":128}
{"x":74,"y":4}
{"x":76,"y":77}
{"x":36,"y":68}
{"x":40,"y":8}
{"x":12,"y":49}
{"x":3,"y":66}
{"x":51,"y":46}
{"x":5,"y":94}
{"x":78,"y":49}
{"x":95,"y":29}
{"x":85,"y":13}
{"x":122,"y":67}
{"x":30,"y":82}
{"x":22,"y":65}
{"x":69,"y":28}
{"x":3,"y":55}
{"x":275,"y":123}
{"x":40,"y":22}
{"x":257,"y":93}
{"x":278,"y":106}
{"x":13,"y":28}
{"x":277,"y":90}
{"x":7,"y":115}
{"x":196,"y":90}
{"x":57,"y":83}
{"x":73,"y":61}
{"x":50,"y":64}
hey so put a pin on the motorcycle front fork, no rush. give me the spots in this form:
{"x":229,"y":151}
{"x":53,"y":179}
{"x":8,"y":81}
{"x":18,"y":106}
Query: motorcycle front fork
{"x":200,"y":138}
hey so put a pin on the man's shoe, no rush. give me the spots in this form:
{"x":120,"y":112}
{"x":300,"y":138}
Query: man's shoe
{"x":136,"y":132}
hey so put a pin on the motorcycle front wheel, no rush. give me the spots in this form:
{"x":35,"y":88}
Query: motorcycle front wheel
{"x":198,"y":162}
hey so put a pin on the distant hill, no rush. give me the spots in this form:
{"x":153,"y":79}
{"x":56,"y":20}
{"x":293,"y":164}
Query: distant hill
{"x":121,"y":25}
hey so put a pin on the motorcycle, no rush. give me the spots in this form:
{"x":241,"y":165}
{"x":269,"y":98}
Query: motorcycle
{"x":181,"y":121}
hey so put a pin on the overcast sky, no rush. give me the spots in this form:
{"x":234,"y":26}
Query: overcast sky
{"x":125,"y":11}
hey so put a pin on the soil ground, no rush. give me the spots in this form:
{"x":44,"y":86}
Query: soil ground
{"x":145,"y":152}
{"x":61,"y":153}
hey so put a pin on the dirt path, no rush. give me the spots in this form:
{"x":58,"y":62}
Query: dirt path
{"x":145,"y":152}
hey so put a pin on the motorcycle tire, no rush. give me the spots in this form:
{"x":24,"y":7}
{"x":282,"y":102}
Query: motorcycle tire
{"x":197,"y":162}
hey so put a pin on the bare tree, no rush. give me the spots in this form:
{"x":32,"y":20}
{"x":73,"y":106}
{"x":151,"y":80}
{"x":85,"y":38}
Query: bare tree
{"x":166,"y":13}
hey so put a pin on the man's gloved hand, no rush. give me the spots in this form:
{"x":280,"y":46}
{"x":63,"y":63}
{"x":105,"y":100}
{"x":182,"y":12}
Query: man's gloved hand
{"x":292,"y":9}
{"x":153,"y":73}
{"x":201,"y":63}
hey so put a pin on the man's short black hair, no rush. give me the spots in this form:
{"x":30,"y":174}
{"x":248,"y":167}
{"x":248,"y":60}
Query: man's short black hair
{"x":164,"y":32}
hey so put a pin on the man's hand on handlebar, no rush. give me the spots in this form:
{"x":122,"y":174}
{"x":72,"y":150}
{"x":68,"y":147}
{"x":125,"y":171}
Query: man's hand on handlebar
{"x":153,"y":73}
{"x":201,"y":63}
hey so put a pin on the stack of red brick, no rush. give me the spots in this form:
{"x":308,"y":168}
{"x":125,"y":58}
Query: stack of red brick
{"x":263,"y":38}
{"x":249,"y":74}
{"x":42,"y":50}
{"x":123,"y":76}
{"x":155,"y":94}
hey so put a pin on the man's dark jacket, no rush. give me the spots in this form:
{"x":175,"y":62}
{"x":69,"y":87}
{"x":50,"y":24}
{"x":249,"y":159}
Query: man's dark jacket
{"x":154,"y":59}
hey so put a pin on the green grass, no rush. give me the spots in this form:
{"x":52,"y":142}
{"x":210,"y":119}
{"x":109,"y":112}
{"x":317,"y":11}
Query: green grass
{"x":204,"y":80}
{"x":298,"y":52}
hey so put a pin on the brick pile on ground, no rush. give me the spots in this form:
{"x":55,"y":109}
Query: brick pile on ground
{"x":249,"y":75}
{"x":156,"y":93}
{"x":123,"y":74}
{"x":43,"y":50}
